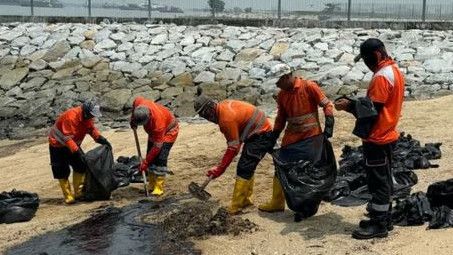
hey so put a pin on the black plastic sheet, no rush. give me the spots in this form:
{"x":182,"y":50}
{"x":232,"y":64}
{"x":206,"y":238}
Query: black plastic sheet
{"x":412,"y":211}
{"x":126,"y":171}
{"x":99,"y":182}
{"x":18,"y":206}
{"x":305,"y":183}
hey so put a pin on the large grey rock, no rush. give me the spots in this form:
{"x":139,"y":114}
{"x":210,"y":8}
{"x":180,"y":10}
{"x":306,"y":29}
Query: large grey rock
{"x":65,"y":73}
{"x":160,"y":39}
{"x":213,"y":90}
{"x":28,"y":49}
{"x":204,"y":54}
{"x":13,"y":77}
{"x":115,"y":100}
{"x":57,"y":51}
{"x":182,"y":80}
{"x":33,"y":84}
{"x":174,"y":66}
{"x":38,"y":65}
{"x":257,"y":73}
{"x":90,"y":62}
{"x":338,"y":71}
{"x":125,"y":66}
{"x":235,"y":45}
{"x":229,"y":74}
{"x":171,"y":92}
{"x":188,"y":40}
{"x":184,"y":104}
{"x":424,"y":53}
{"x":204,"y":76}
{"x":249,"y":54}
{"x":437,"y":66}
{"x":9,"y":36}
{"x":105,"y":44}
{"x":226,"y":55}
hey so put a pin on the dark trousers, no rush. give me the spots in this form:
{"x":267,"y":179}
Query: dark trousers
{"x":378,"y":161}
{"x":254,"y":150}
{"x":61,"y":158}
{"x":159,"y":165}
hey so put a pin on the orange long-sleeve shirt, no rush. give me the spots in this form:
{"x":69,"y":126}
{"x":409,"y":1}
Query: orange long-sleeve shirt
{"x":240,"y":120}
{"x":162,"y":126}
{"x":70,"y":129}
{"x":299,"y":107}
{"x":387,"y":88}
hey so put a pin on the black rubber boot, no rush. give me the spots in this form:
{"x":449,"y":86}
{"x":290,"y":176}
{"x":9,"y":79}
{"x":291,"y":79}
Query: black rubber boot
{"x":366,"y":223}
{"x":372,"y":230}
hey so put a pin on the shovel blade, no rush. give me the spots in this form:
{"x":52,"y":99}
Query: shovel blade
{"x":198,"y":192}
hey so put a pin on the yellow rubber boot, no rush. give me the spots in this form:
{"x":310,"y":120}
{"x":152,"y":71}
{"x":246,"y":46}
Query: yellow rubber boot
{"x":248,"y":199}
{"x":151,"y":182}
{"x":78,"y":180}
{"x":241,"y":195}
{"x":67,"y":193}
{"x":158,"y":186}
{"x":277,"y":203}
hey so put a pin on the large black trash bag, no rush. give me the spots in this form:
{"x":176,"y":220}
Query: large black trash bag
{"x":304,"y":183}
{"x":442,"y":218}
{"x":18,"y":206}
{"x":441,"y":193}
{"x":99,"y":182}
{"x":412,"y":211}
{"x":126,"y":171}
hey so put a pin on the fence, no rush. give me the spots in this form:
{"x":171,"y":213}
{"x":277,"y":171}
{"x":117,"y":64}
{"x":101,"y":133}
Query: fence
{"x":410,"y":10}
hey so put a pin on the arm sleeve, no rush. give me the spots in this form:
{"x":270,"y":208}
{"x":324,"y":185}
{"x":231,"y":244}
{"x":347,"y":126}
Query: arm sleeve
{"x":93,"y":131}
{"x":67,"y":130}
{"x":379,"y":90}
{"x":280,"y":120}
{"x":320,"y":99}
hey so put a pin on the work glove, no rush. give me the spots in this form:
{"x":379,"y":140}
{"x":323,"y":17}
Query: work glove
{"x":81,"y":156}
{"x":215,"y":172}
{"x":102,"y":140}
{"x":328,"y":127}
{"x":143,"y":166}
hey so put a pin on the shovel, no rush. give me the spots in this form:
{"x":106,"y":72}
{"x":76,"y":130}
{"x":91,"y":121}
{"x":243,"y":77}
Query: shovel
{"x":198,"y":191}
{"x":139,"y":152}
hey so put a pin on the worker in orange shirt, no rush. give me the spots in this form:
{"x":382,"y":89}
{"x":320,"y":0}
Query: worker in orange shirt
{"x":162,"y":128}
{"x":298,"y":102}
{"x":386,"y":91}
{"x":240,"y":123}
{"x":65,"y":138}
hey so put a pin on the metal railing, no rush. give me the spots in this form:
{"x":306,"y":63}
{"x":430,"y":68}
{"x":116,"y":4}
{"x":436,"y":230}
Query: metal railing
{"x":410,"y":10}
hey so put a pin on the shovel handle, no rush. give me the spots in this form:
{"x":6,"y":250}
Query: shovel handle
{"x":205,"y":183}
{"x":139,"y":152}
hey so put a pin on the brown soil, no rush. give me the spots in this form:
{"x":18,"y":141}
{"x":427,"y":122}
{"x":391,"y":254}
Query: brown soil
{"x":200,"y":146}
{"x":188,"y":217}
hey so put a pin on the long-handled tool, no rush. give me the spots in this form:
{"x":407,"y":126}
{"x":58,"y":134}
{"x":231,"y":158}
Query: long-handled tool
{"x":198,"y":191}
{"x":139,"y":152}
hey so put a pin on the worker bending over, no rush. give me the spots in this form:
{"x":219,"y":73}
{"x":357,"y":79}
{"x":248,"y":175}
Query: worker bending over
{"x":240,"y":122}
{"x":162,"y":128}
{"x":65,"y":138}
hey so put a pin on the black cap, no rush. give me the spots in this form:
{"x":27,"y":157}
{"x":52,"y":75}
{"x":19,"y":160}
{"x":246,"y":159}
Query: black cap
{"x":369,"y":46}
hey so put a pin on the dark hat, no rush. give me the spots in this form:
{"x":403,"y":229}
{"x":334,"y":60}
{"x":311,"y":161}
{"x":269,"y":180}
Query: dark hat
{"x":369,"y":46}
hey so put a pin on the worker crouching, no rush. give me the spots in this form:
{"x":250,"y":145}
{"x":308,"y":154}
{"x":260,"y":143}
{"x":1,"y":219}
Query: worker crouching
{"x":240,"y":123}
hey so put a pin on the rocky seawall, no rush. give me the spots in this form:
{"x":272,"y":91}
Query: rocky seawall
{"x":47,"y":68}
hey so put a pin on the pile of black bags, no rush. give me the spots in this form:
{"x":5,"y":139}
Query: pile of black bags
{"x":435,"y":207}
{"x":126,"y":171}
{"x":18,"y":206}
{"x":350,"y":188}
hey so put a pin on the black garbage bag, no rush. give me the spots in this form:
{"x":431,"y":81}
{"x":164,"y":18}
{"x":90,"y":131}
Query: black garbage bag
{"x":126,"y":171}
{"x":18,"y":206}
{"x":121,"y":175}
{"x":412,"y":211}
{"x":441,"y":193}
{"x":99,"y":182}
{"x":305,"y":183}
{"x":442,"y":218}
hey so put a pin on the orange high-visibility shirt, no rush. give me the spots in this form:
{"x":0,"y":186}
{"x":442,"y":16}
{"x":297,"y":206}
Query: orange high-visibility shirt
{"x":71,"y":129}
{"x":299,"y":107}
{"x":162,"y":126}
{"x":240,"y":120}
{"x":386,"y":87}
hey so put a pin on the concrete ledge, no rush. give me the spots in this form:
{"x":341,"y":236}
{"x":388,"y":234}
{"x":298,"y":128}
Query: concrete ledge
{"x":257,"y":22}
